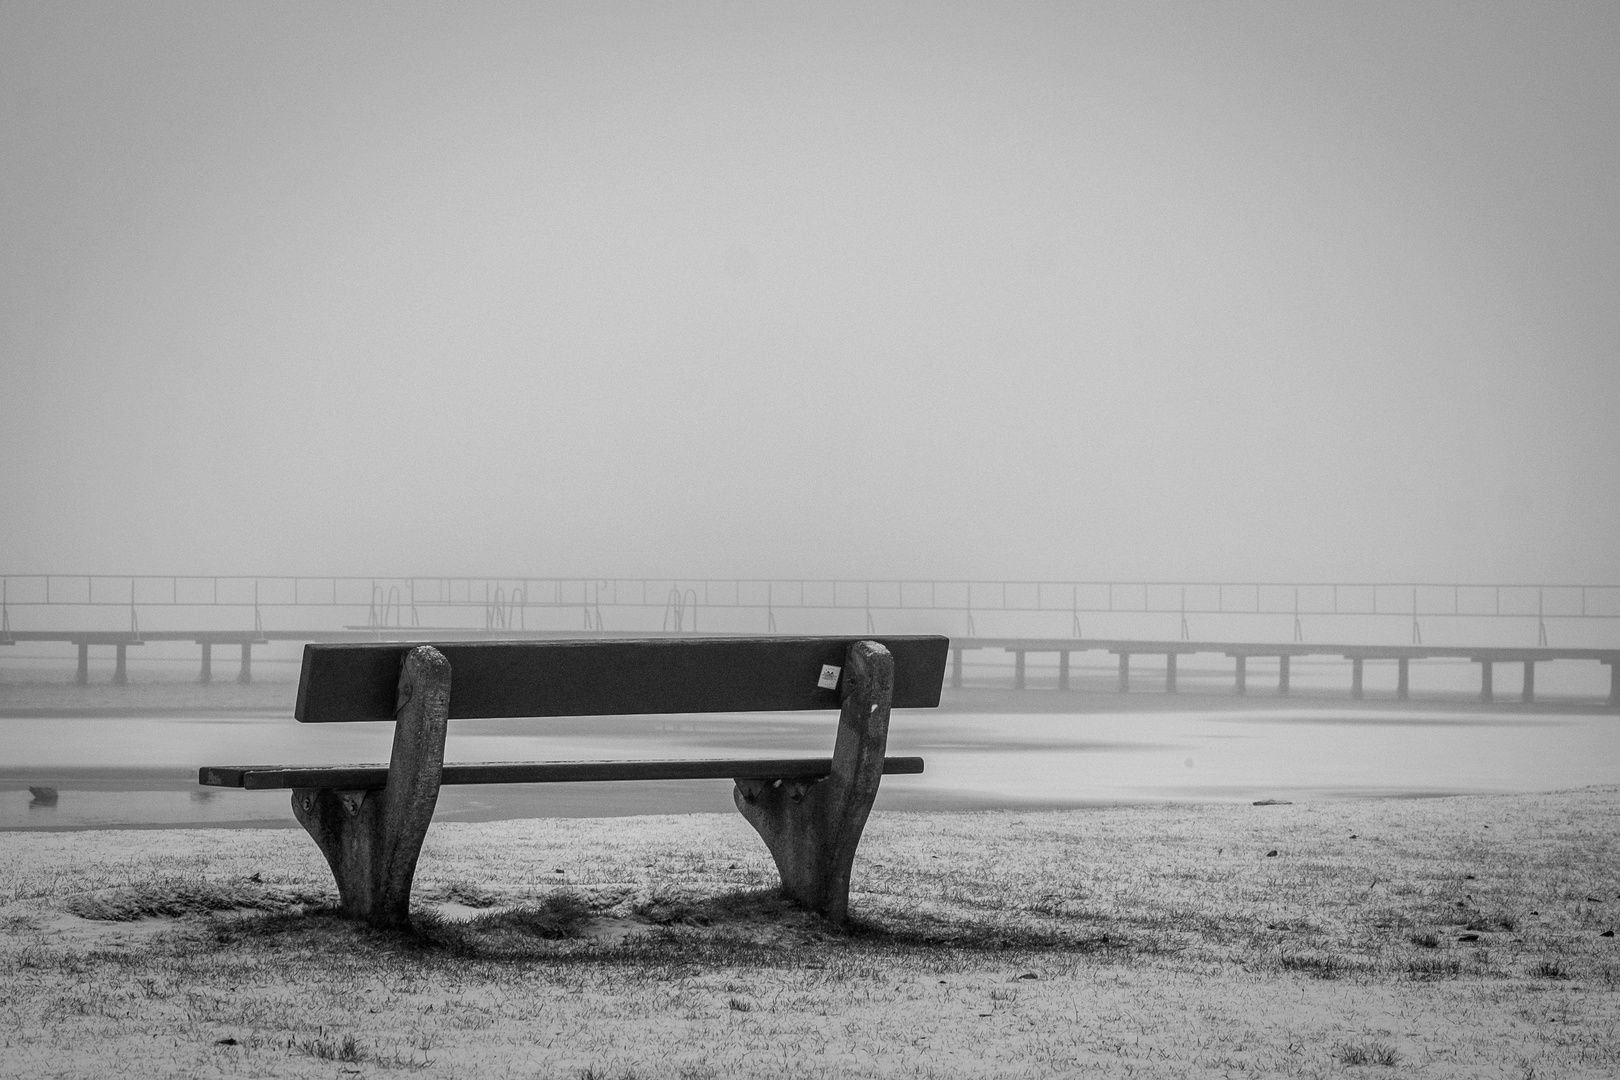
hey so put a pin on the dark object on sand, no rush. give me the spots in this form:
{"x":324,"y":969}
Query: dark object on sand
{"x":42,"y":796}
{"x":1271,"y":854}
{"x":370,"y":821}
{"x":1272,"y":802}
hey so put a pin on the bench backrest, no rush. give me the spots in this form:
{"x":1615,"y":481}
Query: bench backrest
{"x":613,"y":676}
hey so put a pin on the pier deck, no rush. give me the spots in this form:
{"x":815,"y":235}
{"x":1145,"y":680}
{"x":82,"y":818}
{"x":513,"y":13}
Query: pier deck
{"x":1241,"y":651}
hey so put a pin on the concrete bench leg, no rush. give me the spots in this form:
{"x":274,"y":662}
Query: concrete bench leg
{"x":812,"y":829}
{"x":372,"y":838}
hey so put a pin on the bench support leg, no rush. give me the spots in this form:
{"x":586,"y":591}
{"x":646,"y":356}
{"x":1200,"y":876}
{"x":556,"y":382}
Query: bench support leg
{"x":812,"y":829}
{"x":372,"y":838}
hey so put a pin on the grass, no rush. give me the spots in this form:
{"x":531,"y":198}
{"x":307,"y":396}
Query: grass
{"x":174,"y":897}
{"x":1130,"y":942}
{"x":348,"y":1049}
{"x":1372,"y":1053}
{"x":510,"y":933}
{"x":1435,"y":967}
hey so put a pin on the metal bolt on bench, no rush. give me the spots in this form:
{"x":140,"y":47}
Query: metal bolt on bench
{"x":370,"y":820}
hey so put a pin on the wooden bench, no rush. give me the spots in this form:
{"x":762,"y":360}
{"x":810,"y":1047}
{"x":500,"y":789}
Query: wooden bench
{"x":370,"y":820}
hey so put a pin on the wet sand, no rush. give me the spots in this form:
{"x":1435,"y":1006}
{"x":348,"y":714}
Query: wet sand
{"x":136,"y":766}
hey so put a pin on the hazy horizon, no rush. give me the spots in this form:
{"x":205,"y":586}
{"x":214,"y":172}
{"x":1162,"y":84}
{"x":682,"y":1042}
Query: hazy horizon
{"x":1172,"y":292}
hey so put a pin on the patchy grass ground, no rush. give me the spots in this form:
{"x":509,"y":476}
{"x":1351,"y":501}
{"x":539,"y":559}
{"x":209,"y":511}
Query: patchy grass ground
{"x":1450,"y":937}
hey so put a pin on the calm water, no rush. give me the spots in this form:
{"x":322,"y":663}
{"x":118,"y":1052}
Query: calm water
{"x":140,"y":770}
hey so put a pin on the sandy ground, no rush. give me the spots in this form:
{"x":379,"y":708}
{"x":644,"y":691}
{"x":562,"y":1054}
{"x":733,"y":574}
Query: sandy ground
{"x":1440,"y":937}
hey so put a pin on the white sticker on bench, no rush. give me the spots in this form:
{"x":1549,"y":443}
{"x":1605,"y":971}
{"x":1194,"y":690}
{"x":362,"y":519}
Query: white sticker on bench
{"x":829,"y":677}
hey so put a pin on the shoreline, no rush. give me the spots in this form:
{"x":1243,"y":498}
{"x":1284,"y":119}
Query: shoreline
{"x":686,"y":798}
{"x":985,"y":749}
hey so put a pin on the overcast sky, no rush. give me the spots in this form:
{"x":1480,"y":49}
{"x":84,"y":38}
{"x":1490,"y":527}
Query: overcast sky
{"x":1178,"y":291}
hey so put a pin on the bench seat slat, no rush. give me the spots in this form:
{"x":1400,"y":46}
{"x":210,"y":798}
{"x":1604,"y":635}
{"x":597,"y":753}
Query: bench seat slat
{"x":259,"y":777}
{"x":617,"y":677}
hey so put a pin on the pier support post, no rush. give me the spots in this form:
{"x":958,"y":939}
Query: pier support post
{"x":956,"y":669}
{"x":1169,"y":673}
{"x":1529,"y":692}
{"x":1486,"y":693}
{"x":1018,"y":670}
{"x":1282,"y":674}
{"x":1063,"y":671}
{"x":207,"y":662}
{"x":1124,"y":672}
{"x":1614,"y":682}
{"x":121,"y":665}
{"x":246,"y":675}
{"x":1355,"y":677}
{"x":1242,"y":675}
{"x":1403,"y":667}
{"x":84,"y":662}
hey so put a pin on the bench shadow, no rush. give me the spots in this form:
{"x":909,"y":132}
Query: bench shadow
{"x":755,"y":927}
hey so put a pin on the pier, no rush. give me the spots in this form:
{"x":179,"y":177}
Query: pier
{"x":1240,"y":652}
{"x":1517,"y":625}
{"x":1524,"y":659}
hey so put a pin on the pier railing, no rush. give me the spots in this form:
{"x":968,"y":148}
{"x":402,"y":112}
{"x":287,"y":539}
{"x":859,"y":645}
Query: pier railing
{"x":1243,"y":620}
{"x":695,"y":604}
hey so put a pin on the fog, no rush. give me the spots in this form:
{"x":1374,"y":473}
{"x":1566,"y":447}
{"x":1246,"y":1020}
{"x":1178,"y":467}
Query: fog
{"x":1186,"y":291}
